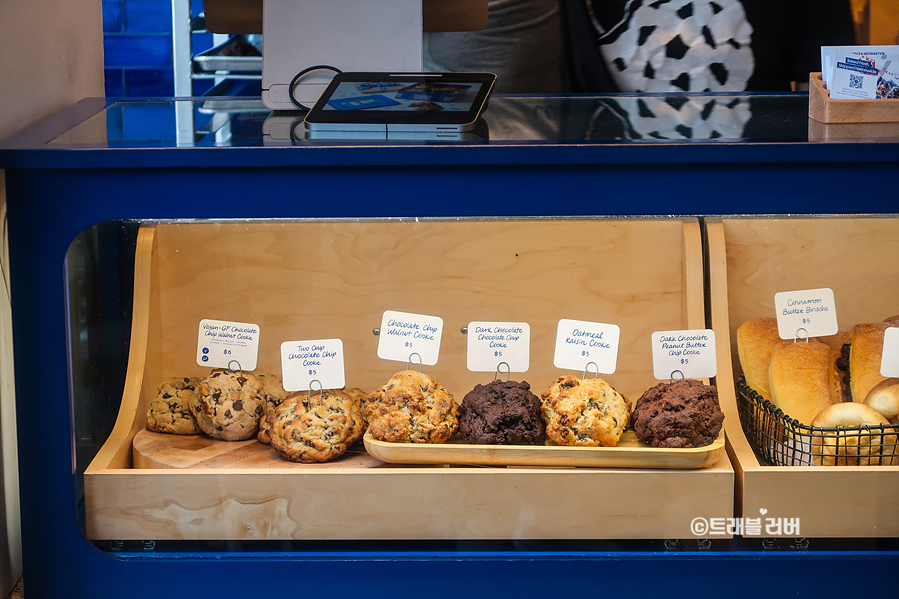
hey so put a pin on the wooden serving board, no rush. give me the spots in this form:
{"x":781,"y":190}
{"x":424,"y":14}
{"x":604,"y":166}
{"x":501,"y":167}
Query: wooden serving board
{"x":629,"y":453}
{"x":160,"y":450}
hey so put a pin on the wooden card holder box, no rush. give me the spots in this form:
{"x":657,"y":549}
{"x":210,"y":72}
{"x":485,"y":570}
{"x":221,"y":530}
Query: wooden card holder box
{"x":821,"y":108}
{"x":750,"y":259}
{"x":334,"y":279}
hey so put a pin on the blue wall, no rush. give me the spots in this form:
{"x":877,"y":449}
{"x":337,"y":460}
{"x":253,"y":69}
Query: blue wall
{"x":137,"y":40}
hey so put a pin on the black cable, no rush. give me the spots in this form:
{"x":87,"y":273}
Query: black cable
{"x":296,"y":78}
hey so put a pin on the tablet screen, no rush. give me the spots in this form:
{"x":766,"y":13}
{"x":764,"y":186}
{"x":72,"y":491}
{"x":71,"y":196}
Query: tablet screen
{"x":401,"y":95}
{"x":401,"y":100}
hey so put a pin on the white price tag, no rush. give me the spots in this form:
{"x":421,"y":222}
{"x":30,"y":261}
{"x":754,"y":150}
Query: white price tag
{"x":407,"y":337}
{"x":578,"y":343}
{"x":222,"y":343}
{"x":889,"y":363}
{"x":691,"y":352}
{"x":492,"y":343}
{"x":807,"y":313}
{"x":305,"y":361}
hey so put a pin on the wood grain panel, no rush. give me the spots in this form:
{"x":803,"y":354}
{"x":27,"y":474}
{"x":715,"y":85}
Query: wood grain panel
{"x":314,"y":280}
{"x":856,"y":257}
{"x":407,"y":503}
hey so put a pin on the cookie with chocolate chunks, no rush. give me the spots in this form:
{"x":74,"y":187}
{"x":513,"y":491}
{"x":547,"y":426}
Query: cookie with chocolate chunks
{"x":228,"y":405}
{"x":316,"y":429}
{"x":169,"y":412}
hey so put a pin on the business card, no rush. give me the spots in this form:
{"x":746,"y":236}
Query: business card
{"x":862,"y":52}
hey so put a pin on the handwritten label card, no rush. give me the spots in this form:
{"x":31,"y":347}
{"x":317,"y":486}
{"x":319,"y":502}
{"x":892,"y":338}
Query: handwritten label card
{"x":889,"y":362}
{"x":692,"y":352}
{"x":305,"y":361}
{"x":579,"y":343}
{"x":807,"y":313}
{"x":490,"y":343}
{"x":221,"y":343}
{"x":404,"y":334}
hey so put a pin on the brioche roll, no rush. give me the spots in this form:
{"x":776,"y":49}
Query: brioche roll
{"x":801,"y":376}
{"x":884,"y":398}
{"x":864,"y":358}
{"x":756,"y":339}
{"x":839,"y":353}
{"x":851,"y":448}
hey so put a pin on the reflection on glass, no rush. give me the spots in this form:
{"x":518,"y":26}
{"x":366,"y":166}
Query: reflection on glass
{"x":245,"y":122}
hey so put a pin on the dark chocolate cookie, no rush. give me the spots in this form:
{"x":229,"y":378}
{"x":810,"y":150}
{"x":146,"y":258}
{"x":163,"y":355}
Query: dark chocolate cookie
{"x":679,"y":414}
{"x":501,"y":413}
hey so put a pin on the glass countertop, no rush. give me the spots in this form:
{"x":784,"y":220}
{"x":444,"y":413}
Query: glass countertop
{"x":646,"y":119}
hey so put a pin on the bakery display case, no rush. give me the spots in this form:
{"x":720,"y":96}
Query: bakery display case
{"x":334,"y":279}
{"x":751,"y":259}
{"x":650,"y":212}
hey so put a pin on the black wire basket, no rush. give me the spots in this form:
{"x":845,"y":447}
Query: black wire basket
{"x":779,"y":440}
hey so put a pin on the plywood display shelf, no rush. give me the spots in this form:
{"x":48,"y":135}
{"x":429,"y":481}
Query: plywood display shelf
{"x":822,"y":109}
{"x":334,"y":279}
{"x":751,"y":259}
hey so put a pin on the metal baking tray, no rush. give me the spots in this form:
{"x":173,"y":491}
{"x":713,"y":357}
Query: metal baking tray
{"x":212,"y":60}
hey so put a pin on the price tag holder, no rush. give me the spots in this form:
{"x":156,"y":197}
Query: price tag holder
{"x":807,"y":313}
{"x":889,"y":362}
{"x":690,"y":352}
{"x":579,"y":343}
{"x":221,"y":343}
{"x":492,"y":343}
{"x":305,"y":361}
{"x":405,"y":336}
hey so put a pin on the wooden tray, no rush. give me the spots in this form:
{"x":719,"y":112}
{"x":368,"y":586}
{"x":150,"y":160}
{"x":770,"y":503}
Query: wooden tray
{"x":750,"y":259}
{"x":324,"y":279}
{"x":159,"y":450}
{"x":629,"y":453}
{"x":822,"y":108}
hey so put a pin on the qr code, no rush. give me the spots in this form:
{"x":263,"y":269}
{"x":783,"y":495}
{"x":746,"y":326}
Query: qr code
{"x":855,"y":81}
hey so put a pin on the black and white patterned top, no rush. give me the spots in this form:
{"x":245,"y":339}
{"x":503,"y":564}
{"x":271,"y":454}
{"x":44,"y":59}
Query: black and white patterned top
{"x":699,"y":45}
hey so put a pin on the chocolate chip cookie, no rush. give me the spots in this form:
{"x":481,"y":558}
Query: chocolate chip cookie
{"x":585,"y":412}
{"x":316,"y":429}
{"x":273,"y":394}
{"x":228,"y":405}
{"x":170,"y":411}
{"x":412,"y":408}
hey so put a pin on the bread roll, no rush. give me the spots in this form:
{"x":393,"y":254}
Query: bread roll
{"x":893,"y":321}
{"x":756,"y":339}
{"x":864,"y":358}
{"x":801,"y":377}
{"x":884,"y":398}
{"x":852,"y":447}
{"x":840,"y":357}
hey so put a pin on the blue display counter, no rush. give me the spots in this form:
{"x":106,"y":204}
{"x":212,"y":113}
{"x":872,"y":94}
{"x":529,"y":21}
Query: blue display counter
{"x":78,"y":184}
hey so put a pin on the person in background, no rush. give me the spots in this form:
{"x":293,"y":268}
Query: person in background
{"x":521,"y":44}
{"x":699,"y":45}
